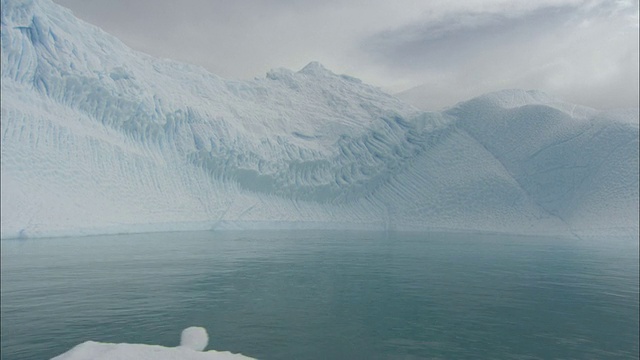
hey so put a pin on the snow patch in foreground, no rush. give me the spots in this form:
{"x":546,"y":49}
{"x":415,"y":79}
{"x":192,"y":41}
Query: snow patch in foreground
{"x":192,"y":343}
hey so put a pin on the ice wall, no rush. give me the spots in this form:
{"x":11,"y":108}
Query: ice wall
{"x":98,"y":138}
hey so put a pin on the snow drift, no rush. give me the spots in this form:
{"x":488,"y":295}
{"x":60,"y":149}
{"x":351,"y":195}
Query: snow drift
{"x":98,"y":138}
{"x":193,"y":341}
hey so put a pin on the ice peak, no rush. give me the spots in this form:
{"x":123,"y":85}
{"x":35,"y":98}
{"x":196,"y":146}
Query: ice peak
{"x":315,"y":68}
{"x":513,"y":98}
{"x":21,"y":12}
{"x":521,"y":96}
{"x":17,"y":13}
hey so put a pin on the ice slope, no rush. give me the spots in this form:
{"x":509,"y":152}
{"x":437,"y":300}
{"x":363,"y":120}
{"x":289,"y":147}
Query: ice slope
{"x":98,"y":138}
{"x":578,"y":164}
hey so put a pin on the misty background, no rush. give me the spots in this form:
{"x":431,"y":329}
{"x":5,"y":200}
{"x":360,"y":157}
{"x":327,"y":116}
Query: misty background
{"x":432,"y":54}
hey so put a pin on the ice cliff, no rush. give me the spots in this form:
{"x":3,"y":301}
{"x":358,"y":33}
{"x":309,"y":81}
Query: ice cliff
{"x":98,"y":138}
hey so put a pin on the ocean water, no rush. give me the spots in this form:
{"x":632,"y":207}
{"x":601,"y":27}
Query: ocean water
{"x":326,"y":295}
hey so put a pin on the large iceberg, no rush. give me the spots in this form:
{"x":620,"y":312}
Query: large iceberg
{"x":98,"y":138}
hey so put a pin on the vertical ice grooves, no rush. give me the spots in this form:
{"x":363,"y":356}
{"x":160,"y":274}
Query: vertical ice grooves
{"x":111,"y":138}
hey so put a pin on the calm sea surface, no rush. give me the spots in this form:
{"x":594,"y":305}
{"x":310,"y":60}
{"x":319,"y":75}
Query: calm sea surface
{"x":326,"y":295}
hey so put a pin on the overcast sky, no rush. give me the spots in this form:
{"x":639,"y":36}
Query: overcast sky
{"x":584,"y":51}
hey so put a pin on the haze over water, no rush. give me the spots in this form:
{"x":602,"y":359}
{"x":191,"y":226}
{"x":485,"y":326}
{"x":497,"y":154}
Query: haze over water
{"x":320,"y":295}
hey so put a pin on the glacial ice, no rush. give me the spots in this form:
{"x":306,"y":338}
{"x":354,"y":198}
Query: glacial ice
{"x":192,"y":344}
{"x":98,"y":138}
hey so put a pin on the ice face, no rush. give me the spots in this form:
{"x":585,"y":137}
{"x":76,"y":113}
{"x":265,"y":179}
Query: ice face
{"x":98,"y":138}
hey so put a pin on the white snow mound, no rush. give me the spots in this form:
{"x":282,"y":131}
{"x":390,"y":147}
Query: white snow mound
{"x":193,"y":341}
{"x":194,"y":338}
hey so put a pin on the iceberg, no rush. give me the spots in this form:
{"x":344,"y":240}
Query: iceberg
{"x":98,"y":138}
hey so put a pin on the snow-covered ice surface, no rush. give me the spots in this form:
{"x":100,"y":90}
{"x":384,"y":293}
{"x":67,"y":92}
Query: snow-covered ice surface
{"x":192,"y":344}
{"x":98,"y":138}
{"x":91,"y":350}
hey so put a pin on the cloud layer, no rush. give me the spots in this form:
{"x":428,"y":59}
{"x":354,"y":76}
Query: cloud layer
{"x":585,"y":51}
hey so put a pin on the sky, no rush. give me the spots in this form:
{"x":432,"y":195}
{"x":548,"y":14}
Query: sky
{"x":446,"y":51}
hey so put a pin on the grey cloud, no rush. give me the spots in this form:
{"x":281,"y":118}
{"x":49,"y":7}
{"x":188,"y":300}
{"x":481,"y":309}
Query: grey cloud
{"x":456,"y":38}
{"x":585,"y":54}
